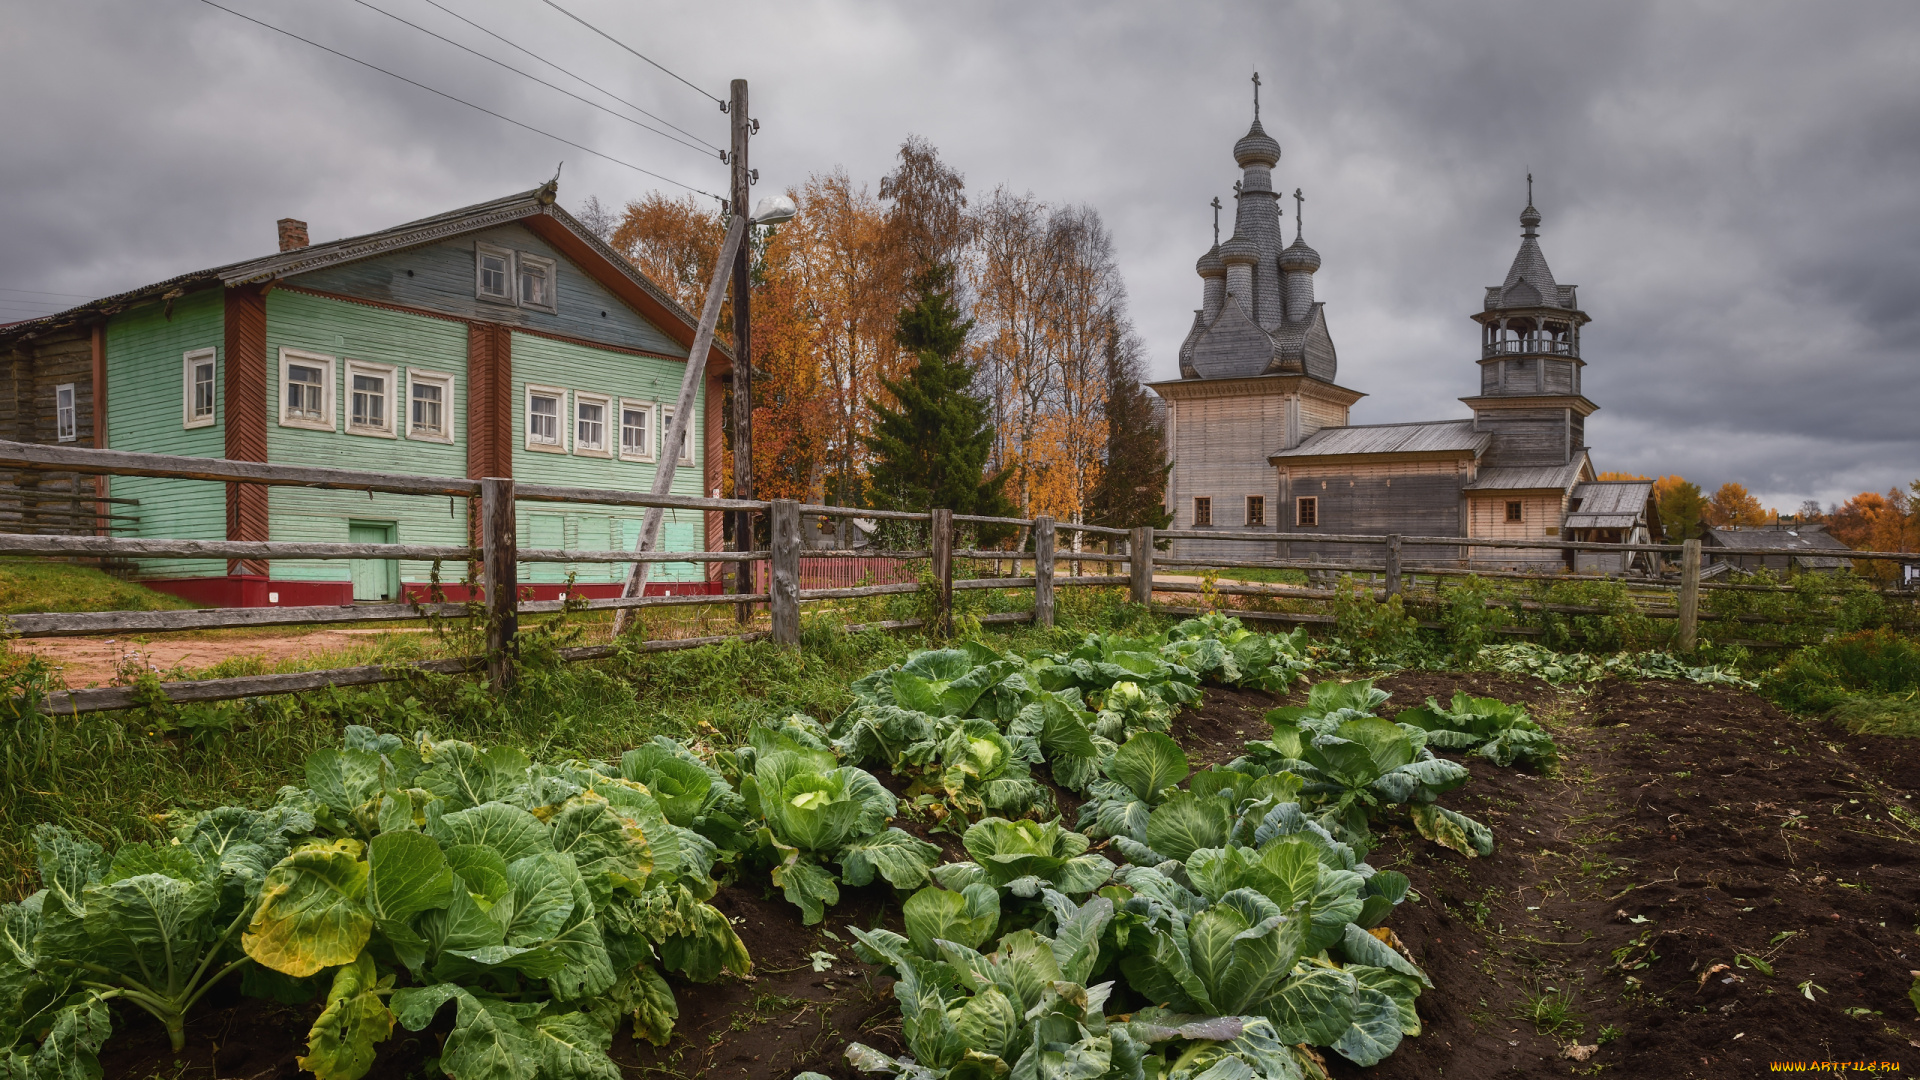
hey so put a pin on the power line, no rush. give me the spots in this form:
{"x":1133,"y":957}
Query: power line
{"x":578,"y":78}
{"x":536,"y":78}
{"x":632,"y":50}
{"x":463,"y":101}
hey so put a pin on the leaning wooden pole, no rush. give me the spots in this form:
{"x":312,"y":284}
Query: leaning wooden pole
{"x":683,"y":411}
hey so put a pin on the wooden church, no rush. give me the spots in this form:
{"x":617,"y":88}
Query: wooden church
{"x":1257,"y":423}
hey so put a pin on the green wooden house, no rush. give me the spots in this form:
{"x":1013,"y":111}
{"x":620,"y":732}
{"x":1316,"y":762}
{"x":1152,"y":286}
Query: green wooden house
{"x":503,"y":339}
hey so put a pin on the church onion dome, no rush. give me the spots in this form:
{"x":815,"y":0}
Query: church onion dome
{"x":1211,"y":264}
{"x":1239,"y":249}
{"x":1530,"y":218}
{"x":1256,"y":147}
{"x":1298,"y":256}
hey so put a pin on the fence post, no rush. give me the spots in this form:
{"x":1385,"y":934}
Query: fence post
{"x":783,"y":584}
{"x":498,"y":562}
{"x":1140,"y":563}
{"x":1689,"y":595}
{"x":1393,"y":565}
{"x":942,"y":531}
{"x":1043,"y":571}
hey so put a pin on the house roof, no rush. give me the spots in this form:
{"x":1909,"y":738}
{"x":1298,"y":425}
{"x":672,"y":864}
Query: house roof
{"x":1431,"y":437}
{"x":1610,"y":504}
{"x":1529,"y":477}
{"x":1789,"y":541}
{"x":536,"y":207}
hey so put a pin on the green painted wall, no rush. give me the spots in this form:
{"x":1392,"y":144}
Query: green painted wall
{"x":348,"y":331}
{"x":575,"y":368}
{"x":145,"y":404}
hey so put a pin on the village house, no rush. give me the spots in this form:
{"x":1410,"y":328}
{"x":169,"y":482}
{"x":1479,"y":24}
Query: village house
{"x":1257,"y":425}
{"x":498,"y":340}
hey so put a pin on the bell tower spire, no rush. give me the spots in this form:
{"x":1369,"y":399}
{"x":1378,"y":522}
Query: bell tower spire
{"x":1530,"y":365}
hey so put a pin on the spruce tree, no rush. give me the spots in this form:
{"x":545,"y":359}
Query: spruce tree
{"x":1133,"y":486}
{"x":931,"y":451}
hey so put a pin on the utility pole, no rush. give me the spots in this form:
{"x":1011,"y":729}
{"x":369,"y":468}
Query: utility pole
{"x":742,"y":202}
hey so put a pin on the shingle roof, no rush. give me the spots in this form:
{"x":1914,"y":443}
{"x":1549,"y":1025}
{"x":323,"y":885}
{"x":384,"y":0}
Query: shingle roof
{"x":1435,"y":436}
{"x":1529,"y":282}
{"x":1610,"y":504}
{"x":1528,"y":477}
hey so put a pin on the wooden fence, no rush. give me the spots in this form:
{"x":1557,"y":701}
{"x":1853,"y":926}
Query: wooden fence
{"x":785,"y":576}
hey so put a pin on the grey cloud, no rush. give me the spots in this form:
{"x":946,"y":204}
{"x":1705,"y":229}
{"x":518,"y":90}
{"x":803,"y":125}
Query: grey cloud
{"x":1730,"y":185}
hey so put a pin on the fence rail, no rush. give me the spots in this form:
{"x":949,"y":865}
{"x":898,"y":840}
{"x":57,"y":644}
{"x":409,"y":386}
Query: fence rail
{"x":784,"y":576}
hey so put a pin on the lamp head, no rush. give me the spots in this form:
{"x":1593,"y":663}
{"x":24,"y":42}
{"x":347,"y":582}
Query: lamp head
{"x":773,"y":210}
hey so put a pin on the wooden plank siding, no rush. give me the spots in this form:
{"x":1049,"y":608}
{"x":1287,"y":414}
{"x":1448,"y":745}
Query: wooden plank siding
{"x":576,"y":368}
{"x":1541,"y":515}
{"x":1411,"y":498}
{"x":1220,"y":448}
{"x":145,"y":354}
{"x":1526,"y":436}
{"x":440,"y":277}
{"x":34,"y":369}
{"x":348,"y":331}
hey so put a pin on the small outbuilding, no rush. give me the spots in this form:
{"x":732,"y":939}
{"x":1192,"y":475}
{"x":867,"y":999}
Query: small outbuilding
{"x":1801,"y":546}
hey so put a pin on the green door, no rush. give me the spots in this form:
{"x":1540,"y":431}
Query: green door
{"x":373,"y":579}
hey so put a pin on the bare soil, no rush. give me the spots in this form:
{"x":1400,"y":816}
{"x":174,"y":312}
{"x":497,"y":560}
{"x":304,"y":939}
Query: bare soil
{"x":1688,"y":827}
{"x":1690,"y":830}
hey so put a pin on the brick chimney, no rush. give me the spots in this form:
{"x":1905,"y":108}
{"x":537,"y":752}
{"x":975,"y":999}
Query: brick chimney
{"x":293,"y":234}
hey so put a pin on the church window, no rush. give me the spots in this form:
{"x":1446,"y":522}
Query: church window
{"x":1256,"y":509}
{"x":1203,"y":511}
{"x":1516,"y":510}
{"x":1306,"y":510}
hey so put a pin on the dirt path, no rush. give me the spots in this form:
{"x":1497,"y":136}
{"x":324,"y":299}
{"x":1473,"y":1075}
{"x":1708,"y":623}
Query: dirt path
{"x":91,"y":661}
{"x":1692,"y":831}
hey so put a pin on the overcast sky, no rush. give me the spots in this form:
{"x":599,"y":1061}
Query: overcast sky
{"x":1735,"y":187}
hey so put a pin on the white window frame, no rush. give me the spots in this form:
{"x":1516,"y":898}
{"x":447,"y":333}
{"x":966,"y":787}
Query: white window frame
{"x":1300,"y":503}
{"x":523,"y":261}
{"x":653,"y":427}
{"x":607,"y":424}
{"x":188,"y":362}
{"x":562,"y":414}
{"x":444,"y":381}
{"x":291,"y":356}
{"x":479,"y":279}
{"x":66,"y":421}
{"x":391,"y":375}
{"x":666,"y":421}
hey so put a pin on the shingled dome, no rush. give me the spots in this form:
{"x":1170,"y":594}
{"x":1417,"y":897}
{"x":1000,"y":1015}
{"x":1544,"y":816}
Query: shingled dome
{"x":1256,"y":147}
{"x":1298,"y":256}
{"x":1211,"y":264}
{"x":1239,"y":249}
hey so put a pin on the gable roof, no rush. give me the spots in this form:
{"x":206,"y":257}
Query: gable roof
{"x":536,"y":209}
{"x":1430,"y":437}
{"x":1610,"y":504}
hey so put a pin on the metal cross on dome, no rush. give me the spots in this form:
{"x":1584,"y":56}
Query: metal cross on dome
{"x":1256,"y":95}
{"x":1299,"y":201}
{"x":1216,"y":220}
